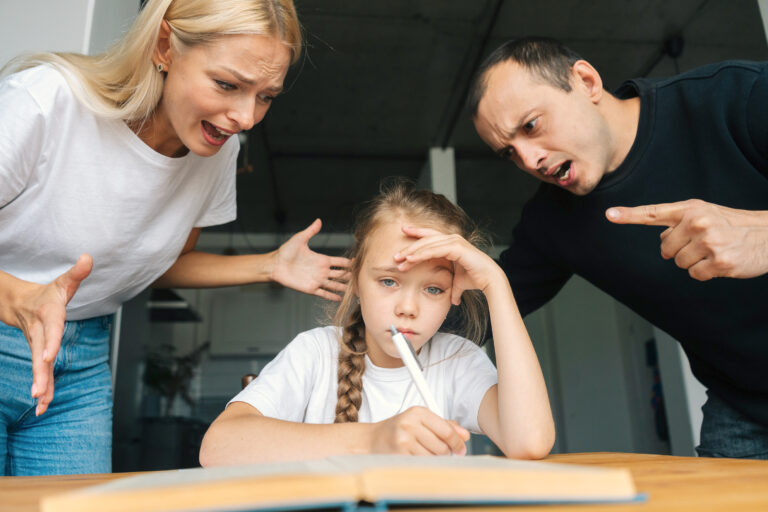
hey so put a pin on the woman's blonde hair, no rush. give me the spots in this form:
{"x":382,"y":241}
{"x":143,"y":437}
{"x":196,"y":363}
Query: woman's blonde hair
{"x":397,"y":200}
{"x":122,"y":83}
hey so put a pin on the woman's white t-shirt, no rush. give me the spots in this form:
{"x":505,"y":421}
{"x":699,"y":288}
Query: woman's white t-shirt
{"x":300,"y":383}
{"x":72,"y":182}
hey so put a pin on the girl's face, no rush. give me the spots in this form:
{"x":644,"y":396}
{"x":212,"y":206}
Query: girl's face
{"x":416,"y":302}
{"x":213,"y":91}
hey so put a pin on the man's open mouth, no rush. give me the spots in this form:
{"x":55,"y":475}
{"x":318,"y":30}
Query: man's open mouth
{"x":563,"y":172}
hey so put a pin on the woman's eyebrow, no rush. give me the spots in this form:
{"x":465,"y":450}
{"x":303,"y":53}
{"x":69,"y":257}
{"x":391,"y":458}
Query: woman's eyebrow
{"x":238,"y":75}
{"x":275,"y":90}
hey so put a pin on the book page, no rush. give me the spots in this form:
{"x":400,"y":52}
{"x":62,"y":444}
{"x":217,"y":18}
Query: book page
{"x":482,"y":480}
{"x":197,"y":476}
{"x":356,"y":463}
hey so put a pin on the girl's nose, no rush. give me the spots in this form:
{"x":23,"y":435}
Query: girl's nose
{"x":407,"y":305}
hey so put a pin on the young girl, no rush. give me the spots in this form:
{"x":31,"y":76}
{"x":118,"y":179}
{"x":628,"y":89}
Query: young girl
{"x":343,"y":388}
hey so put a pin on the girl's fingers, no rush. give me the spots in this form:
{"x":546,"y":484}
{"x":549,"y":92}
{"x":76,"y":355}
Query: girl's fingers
{"x":426,"y":236}
{"x":447,"y":251}
{"x":440,"y":437}
{"x":431,"y":443}
{"x":418,"y":232}
{"x":419,"y":449}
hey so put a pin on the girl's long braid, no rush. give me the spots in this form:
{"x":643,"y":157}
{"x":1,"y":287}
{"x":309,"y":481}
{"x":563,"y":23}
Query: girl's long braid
{"x":351,"y":368}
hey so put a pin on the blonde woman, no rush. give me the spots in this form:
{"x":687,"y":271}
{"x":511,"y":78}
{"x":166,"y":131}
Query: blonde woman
{"x":110,"y":165}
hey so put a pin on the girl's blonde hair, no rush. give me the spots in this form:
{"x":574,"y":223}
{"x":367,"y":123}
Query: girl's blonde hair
{"x":396,"y":200}
{"x":122,"y":83}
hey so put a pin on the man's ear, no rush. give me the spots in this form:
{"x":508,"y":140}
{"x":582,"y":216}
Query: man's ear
{"x":587,"y":79}
{"x":162,"y":52}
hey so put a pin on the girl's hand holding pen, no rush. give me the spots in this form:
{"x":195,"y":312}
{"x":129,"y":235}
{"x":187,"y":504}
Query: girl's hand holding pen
{"x":473,"y":269}
{"x":418,"y":431}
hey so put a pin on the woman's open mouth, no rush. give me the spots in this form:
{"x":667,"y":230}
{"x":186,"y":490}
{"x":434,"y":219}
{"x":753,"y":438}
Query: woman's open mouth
{"x":213,"y":135}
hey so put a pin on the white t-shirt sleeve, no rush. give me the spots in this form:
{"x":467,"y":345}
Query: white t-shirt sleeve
{"x":474,"y":375}
{"x":283,"y":388}
{"x":22,"y":128}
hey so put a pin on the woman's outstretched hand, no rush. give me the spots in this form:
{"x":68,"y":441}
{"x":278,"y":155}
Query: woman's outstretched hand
{"x":40,"y":315}
{"x":300,"y":268}
{"x":473,"y":269}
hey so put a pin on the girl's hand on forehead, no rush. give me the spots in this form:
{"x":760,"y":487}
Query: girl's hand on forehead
{"x":473,"y":269}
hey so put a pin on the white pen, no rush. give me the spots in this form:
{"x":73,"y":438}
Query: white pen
{"x":408,"y":355}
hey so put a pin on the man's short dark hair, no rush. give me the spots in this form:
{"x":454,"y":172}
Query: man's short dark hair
{"x":548,"y":59}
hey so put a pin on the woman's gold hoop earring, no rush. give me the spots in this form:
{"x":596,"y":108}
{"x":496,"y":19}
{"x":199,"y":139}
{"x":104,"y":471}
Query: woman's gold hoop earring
{"x":160,"y":67}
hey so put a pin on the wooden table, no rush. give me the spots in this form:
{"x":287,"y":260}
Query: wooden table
{"x":671,"y":483}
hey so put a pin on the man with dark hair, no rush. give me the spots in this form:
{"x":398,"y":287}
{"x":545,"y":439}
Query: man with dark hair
{"x":689,"y":153}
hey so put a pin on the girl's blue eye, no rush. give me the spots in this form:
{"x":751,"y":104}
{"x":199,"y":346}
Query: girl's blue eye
{"x":389,"y":283}
{"x":434,"y":290}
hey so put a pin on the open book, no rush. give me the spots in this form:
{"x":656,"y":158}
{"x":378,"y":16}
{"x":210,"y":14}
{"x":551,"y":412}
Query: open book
{"x":350,"y":481}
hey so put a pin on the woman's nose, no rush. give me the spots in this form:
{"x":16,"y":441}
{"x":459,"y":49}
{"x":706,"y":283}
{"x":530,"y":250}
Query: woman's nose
{"x":247,"y":114}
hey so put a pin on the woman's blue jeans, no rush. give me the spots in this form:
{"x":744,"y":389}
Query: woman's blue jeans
{"x":75,"y":434}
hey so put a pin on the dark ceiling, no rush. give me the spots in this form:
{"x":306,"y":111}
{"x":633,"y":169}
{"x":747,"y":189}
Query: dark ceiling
{"x":382,"y":81}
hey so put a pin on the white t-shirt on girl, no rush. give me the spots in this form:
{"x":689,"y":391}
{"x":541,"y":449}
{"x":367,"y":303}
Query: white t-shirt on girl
{"x":300,"y":383}
{"x":73,"y":182}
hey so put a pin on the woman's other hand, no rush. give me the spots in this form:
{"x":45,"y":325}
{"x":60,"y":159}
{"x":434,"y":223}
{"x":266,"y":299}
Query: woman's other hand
{"x":40,"y":314}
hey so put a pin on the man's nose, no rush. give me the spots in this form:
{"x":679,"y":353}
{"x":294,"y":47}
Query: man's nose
{"x":531,"y":157}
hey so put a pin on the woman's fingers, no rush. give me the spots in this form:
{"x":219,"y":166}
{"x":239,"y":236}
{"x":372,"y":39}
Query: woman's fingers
{"x":339,"y":275}
{"x":35,"y":335}
{"x":334,"y":286}
{"x":325,"y":294}
{"x":341,"y":263}
{"x":70,"y":280}
{"x":43,"y":318}
{"x":42,"y":370}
